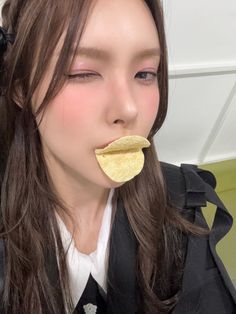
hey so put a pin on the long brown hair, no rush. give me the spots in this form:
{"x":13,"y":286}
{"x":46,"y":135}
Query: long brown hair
{"x":28,"y":201}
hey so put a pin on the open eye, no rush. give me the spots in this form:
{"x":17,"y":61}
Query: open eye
{"x":148,"y":76}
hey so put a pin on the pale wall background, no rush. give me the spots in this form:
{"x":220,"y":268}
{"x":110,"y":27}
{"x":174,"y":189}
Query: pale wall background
{"x":201,"y":122}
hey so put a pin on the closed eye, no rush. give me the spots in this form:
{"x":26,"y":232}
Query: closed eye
{"x":81,"y":76}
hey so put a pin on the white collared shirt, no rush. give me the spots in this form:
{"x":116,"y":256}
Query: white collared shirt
{"x":80,"y":265}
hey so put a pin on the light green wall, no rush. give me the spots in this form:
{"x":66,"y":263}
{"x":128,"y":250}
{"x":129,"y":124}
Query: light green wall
{"x":225,"y":173}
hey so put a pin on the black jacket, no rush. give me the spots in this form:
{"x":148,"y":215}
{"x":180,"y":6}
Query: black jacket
{"x":206,"y":286}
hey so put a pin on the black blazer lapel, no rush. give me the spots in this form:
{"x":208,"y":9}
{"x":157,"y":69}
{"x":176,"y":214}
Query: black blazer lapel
{"x":122,"y":288}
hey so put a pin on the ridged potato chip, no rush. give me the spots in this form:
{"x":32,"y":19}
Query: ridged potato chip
{"x":122,"y":159}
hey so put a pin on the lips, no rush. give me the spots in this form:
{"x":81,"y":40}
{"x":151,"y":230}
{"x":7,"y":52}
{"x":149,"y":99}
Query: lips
{"x":108,"y":143}
{"x":130,"y":142}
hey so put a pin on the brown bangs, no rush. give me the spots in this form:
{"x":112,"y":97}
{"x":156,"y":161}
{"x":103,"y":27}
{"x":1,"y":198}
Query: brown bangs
{"x":43,"y":25}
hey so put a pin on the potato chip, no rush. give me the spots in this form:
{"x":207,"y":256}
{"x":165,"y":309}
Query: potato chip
{"x":122,"y":159}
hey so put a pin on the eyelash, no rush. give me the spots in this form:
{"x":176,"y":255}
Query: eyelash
{"x":87,"y":75}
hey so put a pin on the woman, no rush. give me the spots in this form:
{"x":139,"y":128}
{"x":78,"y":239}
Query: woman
{"x":77,"y":75}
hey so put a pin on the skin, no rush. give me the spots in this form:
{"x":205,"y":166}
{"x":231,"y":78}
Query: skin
{"x":88,"y":113}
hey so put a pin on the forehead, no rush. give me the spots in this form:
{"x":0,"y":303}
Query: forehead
{"x":119,"y":25}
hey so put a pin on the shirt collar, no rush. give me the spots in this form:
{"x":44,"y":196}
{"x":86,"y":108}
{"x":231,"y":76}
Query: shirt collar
{"x":81,"y":265}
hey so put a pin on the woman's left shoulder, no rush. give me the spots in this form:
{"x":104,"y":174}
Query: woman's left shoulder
{"x":206,"y":287}
{"x":186,"y":184}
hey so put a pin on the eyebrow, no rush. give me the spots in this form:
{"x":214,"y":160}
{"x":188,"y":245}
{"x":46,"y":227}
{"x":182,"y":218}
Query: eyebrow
{"x":95,"y":53}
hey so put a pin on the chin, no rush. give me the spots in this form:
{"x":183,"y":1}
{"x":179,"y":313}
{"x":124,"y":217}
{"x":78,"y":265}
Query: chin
{"x":110,"y":184}
{"x":117,"y":184}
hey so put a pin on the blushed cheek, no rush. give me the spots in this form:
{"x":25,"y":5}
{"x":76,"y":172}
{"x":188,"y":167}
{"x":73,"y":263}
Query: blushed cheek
{"x":73,"y":109}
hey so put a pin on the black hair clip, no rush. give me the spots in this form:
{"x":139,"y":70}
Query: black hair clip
{"x":5,"y":38}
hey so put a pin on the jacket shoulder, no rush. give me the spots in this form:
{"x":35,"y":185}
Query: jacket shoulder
{"x":190,"y":187}
{"x":186,"y":184}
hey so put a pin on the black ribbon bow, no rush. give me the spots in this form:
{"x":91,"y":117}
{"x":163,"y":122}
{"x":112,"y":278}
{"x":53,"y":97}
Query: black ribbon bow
{"x":5,"y":38}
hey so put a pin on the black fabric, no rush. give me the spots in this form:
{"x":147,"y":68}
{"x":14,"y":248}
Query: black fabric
{"x":91,"y":298}
{"x":206,"y":286}
{"x":122,"y":287}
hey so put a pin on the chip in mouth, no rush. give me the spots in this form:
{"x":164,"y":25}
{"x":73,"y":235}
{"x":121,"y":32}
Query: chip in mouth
{"x":123,"y":159}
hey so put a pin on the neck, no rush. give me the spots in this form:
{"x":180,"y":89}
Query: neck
{"x":84,"y":200}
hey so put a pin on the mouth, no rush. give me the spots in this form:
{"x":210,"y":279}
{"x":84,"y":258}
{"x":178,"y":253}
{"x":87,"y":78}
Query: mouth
{"x":125,"y":143}
{"x":122,"y":159}
{"x":108,"y":143}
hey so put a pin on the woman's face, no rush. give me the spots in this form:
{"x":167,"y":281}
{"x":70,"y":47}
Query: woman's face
{"x":109,"y":92}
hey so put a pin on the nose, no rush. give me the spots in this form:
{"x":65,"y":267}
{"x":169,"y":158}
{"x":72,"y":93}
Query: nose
{"x":123,"y":107}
